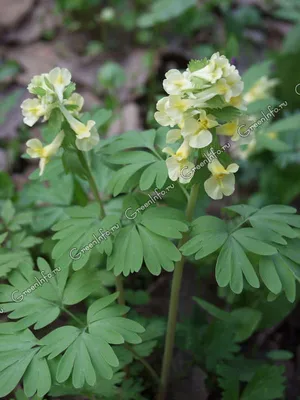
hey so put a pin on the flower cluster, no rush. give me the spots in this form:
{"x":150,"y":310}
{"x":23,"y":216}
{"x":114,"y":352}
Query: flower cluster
{"x":55,"y":90}
{"x":261,"y":89}
{"x":193,"y":97}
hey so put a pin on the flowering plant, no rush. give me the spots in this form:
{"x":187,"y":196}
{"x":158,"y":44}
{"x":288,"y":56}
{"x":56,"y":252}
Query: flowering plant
{"x":146,"y":217}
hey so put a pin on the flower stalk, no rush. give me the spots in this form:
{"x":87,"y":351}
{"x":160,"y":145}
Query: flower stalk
{"x":174,"y":301}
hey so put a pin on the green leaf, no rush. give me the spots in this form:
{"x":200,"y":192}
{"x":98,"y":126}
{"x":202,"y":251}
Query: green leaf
{"x":195,"y":65}
{"x":20,"y":357}
{"x":156,"y":172}
{"x":3,"y":237}
{"x":88,"y":354}
{"x":144,"y":165}
{"x":82,"y":232}
{"x":227,"y":114}
{"x":266,"y":384}
{"x":36,"y":298}
{"x":162,"y":11}
{"x":251,"y":240}
{"x":154,"y":329}
{"x":291,"y":42}
{"x":147,"y":240}
{"x":285,"y":124}
{"x":37,"y":378}
{"x":279,"y":355}
{"x":229,"y":382}
{"x":130,"y":140}
{"x":278,"y":273}
{"x":20,"y":395}
{"x":245,"y":320}
{"x":172,"y":224}
{"x":6,"y":186}
{"x":10,"y":260}
{"x":232,"y":264}
{"x":79,"y":286}
{"x":208,"y":235}
{"x":8,"y":211}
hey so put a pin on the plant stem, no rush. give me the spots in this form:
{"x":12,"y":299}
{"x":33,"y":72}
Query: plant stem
{"x":174,"y":301}
{"x":91,"y":180}
{"x":145,"y":363}
{"x":73,"y":316}
{"x":120,"y":289}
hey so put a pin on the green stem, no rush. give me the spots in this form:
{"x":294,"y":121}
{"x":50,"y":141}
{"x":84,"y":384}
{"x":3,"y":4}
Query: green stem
{"x":73,"y":316}
{"x":145,"y":363}
{"x":119,"y":281}
{"x":120,"y":289}
{"x":174,"y":301}
{"x":91,"y":181}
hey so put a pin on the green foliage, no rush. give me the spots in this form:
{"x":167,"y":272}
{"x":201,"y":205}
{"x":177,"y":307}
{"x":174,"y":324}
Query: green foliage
{"x":277,"y":257}
{"x":243,"y":321}
{"x":195,"y":65}
{"x":83,"y":230}
{"x":91,"y":347}
{"x":148,"y":239}
{"x":164,"y":10}
{"x":111,"y":75}
{"x":264,"y":381}
{"x":254,"y":73}
{"x":146,"y":166}
{"x":267,"y":383}
{"x":20,"y":395}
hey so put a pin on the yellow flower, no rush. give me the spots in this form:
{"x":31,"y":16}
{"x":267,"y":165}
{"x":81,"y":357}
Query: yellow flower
{"x":82,"y":131}
{"x":260,"y":90}
{"x":60,"y":79}
{"x":217,"y":67}
{"x":32,"y":110}
{"x":37,"y":150}
{"x":87,"y":143}
{"x":222,"y":180}
{"x":171,"y":109}
{"x":178,"y":165}
{"x":173,"y":135}
{"x":177,"y":82}
{"x":86,"y":135}
{"x":38,"y":81}
{"x":161,"y":115}
{"x":229,"y":129}
{"x":176,"y":107}
{"x":211,"y":72}
{"x":75,"y":100}
{"x":197,"y":132}
{"x":238,"y":102}
{"x":234,"y":82}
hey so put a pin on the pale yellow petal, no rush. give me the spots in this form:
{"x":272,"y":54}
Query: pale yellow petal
{"x":213,"y":189}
